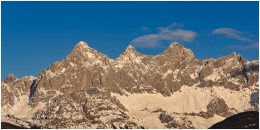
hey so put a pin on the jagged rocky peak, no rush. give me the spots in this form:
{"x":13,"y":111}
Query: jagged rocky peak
{"x":10,"y":78}
{"x":81,"y":46}
{"x":233,"y":57}
{"x":130,"y":50}
{"x":236,"y":56}
{"x":178,"y":50}
{"x":175,"y":44}
{"x":130,"y":54}
{"x":82,"y":51}
{"x":130,"y":47}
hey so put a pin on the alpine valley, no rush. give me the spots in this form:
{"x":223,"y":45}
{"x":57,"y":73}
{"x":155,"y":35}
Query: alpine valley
{"x":170,"y":90}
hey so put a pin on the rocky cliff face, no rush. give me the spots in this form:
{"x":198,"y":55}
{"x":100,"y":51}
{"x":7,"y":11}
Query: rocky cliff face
{"x":89,"y":90}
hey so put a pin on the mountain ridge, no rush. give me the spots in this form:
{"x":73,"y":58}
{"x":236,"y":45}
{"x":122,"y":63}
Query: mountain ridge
{"x":87,"y":85}
{"x":85,"y":44}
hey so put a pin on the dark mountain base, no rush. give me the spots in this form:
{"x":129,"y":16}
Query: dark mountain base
{"x":5,"y":125}
{"x":245,"y":120}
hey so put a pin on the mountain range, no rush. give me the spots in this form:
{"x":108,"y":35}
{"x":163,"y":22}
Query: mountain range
{"x":173,"y":89}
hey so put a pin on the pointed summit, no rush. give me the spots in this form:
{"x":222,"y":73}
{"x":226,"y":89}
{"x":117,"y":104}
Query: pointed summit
{"x":82,"y":51}
{"x":81,"y":44}
{"x":178,"y":50}
{"x":131,"y":49}
{"x":130,"y":54}
{"x":175,"y":45}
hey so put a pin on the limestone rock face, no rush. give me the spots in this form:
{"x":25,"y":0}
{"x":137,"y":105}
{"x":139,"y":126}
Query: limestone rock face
{"x":88,"y":90}
{"x":12,"y":89}
{"x":9,"y":79}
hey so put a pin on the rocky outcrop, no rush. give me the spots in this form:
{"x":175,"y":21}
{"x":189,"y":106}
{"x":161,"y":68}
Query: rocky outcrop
{"x":9,"y":79}
{"x":12,"y":89}
{"x":172,"y":121}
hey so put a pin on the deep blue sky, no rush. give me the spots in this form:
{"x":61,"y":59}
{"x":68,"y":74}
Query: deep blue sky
{"x":36,"y":34}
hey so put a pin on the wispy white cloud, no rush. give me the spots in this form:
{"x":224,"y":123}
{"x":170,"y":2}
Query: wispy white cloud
{"x":237,"y":35}
{"x":172,"y":32}
{"x":232,"y":33}
{"x":172,"y":26}
{"x":150,"y":40}
{"x":246,"y":47}
{"x":178,"y":34}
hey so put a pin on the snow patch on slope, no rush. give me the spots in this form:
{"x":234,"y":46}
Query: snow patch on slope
{"x":240,"y":100}
{"x":202,"y":123}
{"x":174,"y":73}
{"x":215,"y":76}
{"x":21,"y":109}
{"x":147,"y":119}
{"x":167,"y":73}
{"x":56,"y":73}
{"x":186,"y":100}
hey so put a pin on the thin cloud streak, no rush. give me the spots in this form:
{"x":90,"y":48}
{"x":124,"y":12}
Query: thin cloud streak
{"x":250,"y":46}
{"x":232,"y":33}
{"x":237,"y":35}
